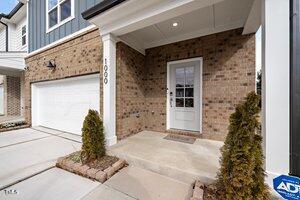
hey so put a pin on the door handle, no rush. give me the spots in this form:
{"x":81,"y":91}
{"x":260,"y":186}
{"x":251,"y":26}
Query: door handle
{"x":171,"y":99}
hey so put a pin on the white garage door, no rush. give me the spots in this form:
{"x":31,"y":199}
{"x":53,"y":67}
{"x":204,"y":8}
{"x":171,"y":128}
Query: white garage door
{"x":63,"y":104}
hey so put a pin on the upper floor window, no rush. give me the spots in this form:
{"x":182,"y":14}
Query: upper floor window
{"x":59,"y":12}
{"x":23,"y":35}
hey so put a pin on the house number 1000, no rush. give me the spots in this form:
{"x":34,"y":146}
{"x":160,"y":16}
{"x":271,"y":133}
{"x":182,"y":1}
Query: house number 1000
{"x":105,"y":72}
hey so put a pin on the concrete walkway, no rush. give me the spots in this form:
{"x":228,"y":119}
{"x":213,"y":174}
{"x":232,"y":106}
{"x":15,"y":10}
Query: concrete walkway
{"x":136,"y":183}
{"x":26,"y":152}
{"x":131,"y":183}
{"x":180,"y":161}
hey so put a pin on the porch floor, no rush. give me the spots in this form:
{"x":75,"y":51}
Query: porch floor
{"x":181,"y":161}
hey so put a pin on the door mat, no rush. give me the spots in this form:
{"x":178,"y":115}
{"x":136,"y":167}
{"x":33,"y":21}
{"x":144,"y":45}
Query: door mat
{"x":180,"y":138}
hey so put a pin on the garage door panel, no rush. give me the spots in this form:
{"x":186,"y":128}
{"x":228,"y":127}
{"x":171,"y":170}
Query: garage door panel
{"x":63,"y":105}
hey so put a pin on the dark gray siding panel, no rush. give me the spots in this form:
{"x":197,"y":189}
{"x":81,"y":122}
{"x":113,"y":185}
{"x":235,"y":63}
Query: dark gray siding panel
{"x":37,"y":23}
{"x":30,"y":34}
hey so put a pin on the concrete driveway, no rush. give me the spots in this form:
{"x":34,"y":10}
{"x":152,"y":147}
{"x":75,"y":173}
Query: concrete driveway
{"x":26,"y":152}
{"x":53,"y":184}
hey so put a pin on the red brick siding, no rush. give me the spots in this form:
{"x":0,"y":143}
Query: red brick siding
{"x":228,"y":75}
{"x":78,"y":56}
{"x":13,"y":92}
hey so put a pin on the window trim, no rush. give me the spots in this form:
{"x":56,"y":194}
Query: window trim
{"x":23,"y":36}
{"x":59,"y":23}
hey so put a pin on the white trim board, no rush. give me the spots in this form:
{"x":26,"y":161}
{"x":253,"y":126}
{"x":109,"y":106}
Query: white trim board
{"x":62,"y":40}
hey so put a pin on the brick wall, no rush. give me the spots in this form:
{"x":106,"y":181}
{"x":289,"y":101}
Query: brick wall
{"x":13,"y":96}
{"x":78,"y":56}
{"x":228,"y":75}
{"x":131,"y":114}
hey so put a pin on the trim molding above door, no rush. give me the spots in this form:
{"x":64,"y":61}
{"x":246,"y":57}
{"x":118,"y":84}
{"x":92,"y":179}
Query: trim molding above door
{"x":168,"y":107}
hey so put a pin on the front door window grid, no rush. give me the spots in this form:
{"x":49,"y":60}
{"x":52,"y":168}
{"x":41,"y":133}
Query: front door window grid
{"x":184,"y":94}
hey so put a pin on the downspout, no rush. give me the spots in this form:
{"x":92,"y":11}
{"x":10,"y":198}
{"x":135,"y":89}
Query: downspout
{"x":6,"y":34}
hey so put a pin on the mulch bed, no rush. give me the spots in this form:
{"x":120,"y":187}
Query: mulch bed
{"x":204,"y":192}
{"x":209,"y":192}
{"x":100,"y":169}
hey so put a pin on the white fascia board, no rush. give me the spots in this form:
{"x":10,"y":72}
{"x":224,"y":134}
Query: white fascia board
{"x":12,"y":60}
{"x":254,"y":19}
{"x":134,"y":14}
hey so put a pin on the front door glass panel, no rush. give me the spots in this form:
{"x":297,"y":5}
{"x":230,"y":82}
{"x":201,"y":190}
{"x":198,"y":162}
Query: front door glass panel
{"x":184,"y":87}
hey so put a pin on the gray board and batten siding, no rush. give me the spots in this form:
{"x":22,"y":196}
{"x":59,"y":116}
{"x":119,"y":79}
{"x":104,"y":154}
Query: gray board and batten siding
{"x":38,"y":36}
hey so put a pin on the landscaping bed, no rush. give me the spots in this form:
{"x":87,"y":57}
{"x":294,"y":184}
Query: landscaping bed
{"x":99,"y":169}
{"x":13,"y":126}
{"x":209,"y":192}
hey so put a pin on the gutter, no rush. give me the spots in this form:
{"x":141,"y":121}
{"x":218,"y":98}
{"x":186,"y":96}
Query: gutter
{"x":13,"y":12}
{"x":8,"y":16}
{"x":100,"y":8}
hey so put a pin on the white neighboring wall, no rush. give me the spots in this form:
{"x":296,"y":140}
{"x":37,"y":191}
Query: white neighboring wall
{"x":14,"y":36}
{"x":2,"y":38}
{"x":15,"y":39}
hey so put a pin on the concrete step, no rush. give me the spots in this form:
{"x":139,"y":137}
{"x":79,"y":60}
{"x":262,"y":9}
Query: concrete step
{"x":144,"y":184}
{"x":165,"y":170}
{"x":180,"y":161}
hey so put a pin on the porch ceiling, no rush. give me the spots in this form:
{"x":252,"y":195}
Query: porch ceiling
{"x":146,"y":24}
{"x":221,"y":16}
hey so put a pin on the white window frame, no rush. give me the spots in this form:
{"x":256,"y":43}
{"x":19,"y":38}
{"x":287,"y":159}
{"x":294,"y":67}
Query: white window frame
{"x":22,"y":35}
{"x":59,"y":23}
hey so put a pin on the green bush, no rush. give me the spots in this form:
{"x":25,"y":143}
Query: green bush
{"x":93,"y":138}
{"x":241,"y":176}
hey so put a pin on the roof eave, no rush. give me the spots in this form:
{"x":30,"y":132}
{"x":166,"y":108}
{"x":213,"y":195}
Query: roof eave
{"x":100,"y":8}
{"x":13,"y":12}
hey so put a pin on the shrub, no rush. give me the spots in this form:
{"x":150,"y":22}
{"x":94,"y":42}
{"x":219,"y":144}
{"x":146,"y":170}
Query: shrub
{"x":241,"y":175}
{"x":93,"y":138}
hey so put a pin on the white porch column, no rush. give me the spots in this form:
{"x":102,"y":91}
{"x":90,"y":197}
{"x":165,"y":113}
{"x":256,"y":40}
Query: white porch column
{"x":109,"y":88}
{"x":276,"y":78}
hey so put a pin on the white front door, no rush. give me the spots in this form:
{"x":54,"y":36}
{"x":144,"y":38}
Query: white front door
{"x":184,"y":94}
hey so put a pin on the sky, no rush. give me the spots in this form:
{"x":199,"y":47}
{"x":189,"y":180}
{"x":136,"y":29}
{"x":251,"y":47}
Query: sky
{"x":258,"y":50}
{"x":7,"y":5}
